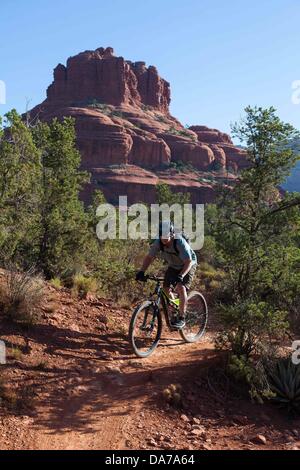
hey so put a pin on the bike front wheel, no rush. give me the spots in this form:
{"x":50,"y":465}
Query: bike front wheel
{"x":196,"y":318}
{"x":145,"y":329}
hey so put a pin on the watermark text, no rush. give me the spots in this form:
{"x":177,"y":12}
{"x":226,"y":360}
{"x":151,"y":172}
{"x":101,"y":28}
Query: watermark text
{"x":2,"y":352}
{"x":296,"y":92}
{"x":141,"y":222}
{"x":2,"y":92}
{"x":296,"y":353}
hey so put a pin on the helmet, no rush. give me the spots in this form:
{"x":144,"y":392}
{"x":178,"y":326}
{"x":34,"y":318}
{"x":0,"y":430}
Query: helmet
{"x":166,"y":229}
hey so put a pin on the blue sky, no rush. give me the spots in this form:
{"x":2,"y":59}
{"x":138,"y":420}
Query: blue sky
{"x":218,"y":56}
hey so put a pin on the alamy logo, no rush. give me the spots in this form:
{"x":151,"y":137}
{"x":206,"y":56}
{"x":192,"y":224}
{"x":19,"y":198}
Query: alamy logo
{"x":2,"y":92}
{"x":296,"y":353}
{"x":296,"y":93}
{"x":2,"y":353}
{"x":140,"y":221}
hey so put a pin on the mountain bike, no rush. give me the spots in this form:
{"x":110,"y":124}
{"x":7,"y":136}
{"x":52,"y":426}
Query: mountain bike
{"x":146,"y":322}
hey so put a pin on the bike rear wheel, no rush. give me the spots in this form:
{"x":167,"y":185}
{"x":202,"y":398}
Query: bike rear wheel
{"x":145,"y":329}
{"x":196,"y":318}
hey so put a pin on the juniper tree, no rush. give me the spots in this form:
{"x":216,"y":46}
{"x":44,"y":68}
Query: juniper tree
{"x":256,"y":230}
{"x":20,"y":191}
{"x":64,"y":222}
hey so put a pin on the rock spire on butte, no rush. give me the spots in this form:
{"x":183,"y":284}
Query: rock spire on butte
{"x":127,"y":137}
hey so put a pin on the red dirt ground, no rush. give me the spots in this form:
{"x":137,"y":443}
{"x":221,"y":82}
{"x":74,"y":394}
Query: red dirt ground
{"x":72,"y":382}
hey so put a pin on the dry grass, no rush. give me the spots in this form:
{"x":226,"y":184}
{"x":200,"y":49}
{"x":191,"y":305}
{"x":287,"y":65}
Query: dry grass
{"x":56,"y":282}
{"x":115,"y":326}
{"x":16,"y":353}
{"x":42,"y":365}
{"x":22,"y":296}
{"x":82,"y":286}
{"x":8,"y":396}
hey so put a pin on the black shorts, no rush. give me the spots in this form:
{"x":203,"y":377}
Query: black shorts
{"x":171,"y":275}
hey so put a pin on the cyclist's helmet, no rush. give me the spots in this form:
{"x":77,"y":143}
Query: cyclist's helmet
{"x":166,"y":229}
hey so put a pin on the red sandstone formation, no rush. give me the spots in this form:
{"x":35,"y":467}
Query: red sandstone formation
{"x":125,"y":133}
{"x":101,"y":76}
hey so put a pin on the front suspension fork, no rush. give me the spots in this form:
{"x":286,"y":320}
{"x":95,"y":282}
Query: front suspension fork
{"x":152,"y":322}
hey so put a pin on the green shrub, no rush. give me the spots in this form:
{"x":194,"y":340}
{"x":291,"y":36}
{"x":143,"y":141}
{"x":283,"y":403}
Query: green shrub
{"x":117,"y":114}
{"x":182,"y":132}
{"x":207,"y":179}
{"x":251,"y":374}
{"x":209,"y":276}
{"x":146,"y":107}
{"x":255,"y":232}
{"x":161,"y":118}
{"x":188,"y":134}
{"x":268,"y":377}
{"x":117,"y":267}
{"x":181,"y":166}
{"x":249,"y":325}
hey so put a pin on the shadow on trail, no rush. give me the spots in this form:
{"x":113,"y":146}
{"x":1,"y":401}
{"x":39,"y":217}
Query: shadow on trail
{"x":84,"y":386}
{"x":105,"y":392}
{"x":59,"y":341}
{"x":83,"y":399}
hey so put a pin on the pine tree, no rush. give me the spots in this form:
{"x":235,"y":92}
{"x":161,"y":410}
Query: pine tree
{"x":255,"y":232}
{"x":20,"y":173}
{"x":64,"y":222}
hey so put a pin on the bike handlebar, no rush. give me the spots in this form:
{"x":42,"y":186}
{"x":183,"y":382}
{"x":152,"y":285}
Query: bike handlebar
{"x":154,"y":278}
{"x":149,"y":277}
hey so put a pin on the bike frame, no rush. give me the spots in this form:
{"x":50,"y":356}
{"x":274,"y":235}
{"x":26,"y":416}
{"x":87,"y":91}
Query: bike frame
{"x":163,"y":299}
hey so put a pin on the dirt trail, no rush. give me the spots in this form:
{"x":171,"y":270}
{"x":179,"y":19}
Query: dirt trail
{"x":95,"y":408}
{"x":72,"y":382}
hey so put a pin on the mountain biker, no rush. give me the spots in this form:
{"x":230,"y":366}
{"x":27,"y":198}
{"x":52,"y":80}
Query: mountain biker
{"x":182,"y":263}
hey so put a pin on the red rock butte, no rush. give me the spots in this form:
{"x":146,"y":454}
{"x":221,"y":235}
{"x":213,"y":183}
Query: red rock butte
{"x":127,"y":138}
